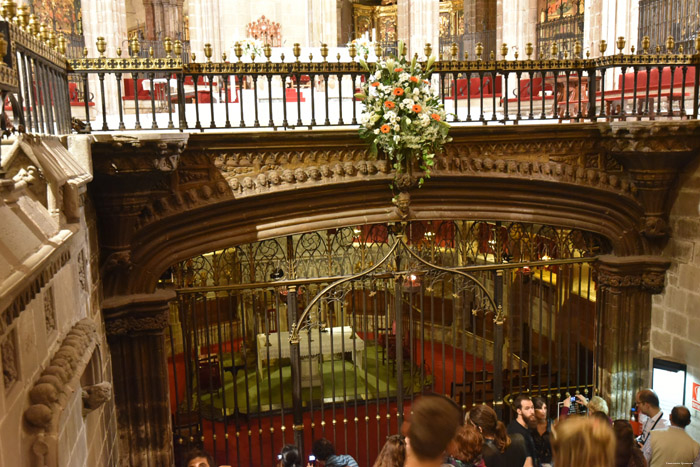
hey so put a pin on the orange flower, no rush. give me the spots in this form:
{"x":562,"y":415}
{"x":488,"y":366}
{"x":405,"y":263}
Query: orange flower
{"x":398,"y":70}
{"x":417,"y":108}
{"x":375,"y":84}
{"x":426,"y":81}
{"x":414,"y":79}
{"x":389,"y":105}
{"x":398,"y":91}
{"x":435,"y":117}
{"x":385,"y":129}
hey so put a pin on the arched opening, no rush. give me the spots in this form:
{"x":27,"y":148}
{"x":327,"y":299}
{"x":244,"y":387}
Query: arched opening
{"x":384,"y":327}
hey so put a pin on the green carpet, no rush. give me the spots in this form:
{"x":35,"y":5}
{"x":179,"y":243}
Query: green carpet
{"x":342,"y":381}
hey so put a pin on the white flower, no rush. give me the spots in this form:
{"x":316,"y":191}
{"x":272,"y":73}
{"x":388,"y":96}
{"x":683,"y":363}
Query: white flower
{"x":397,"y":138}
{"x":376,"y":132}
{"x":377,"y":74}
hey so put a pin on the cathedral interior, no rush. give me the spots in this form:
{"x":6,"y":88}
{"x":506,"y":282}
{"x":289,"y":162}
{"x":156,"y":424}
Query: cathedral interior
{"x":200,"y":248}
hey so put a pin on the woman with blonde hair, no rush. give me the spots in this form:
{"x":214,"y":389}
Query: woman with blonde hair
{"x":583,"y":441}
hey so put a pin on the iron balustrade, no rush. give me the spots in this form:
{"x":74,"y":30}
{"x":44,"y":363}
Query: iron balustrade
{"x":164,"y":93}
{"x":38,"y":102}
{"x":54,"y":95}
{"x":659,"y":19}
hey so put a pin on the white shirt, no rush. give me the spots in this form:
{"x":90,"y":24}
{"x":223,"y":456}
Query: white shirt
{"x":657,"y":422}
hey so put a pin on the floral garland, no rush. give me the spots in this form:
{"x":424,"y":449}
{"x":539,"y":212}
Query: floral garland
{"x":402,"y":116}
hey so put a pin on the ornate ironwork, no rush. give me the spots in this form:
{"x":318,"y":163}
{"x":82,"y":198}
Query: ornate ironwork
{"x":659,"y":19}
{"x":560,"y":25}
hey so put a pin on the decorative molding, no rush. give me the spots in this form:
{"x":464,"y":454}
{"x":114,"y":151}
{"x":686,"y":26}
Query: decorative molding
{"x":10,"y":370}
{"x":26,"y":295}
{"x":125,"y":315}
{"x":57,"y":382}
{"x":122,"y":326}
{"x":49,"y":310}
{"x":643,"y":272}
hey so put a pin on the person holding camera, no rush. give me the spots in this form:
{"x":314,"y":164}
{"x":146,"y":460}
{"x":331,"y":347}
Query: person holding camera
{"x":325,"y":455}
{"x":647,"y":402}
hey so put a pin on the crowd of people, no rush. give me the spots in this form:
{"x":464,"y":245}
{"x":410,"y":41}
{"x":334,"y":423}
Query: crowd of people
{"x":437,"y":435}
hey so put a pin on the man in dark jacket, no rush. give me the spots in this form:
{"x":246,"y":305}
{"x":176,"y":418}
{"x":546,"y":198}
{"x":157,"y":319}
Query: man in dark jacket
{"x":326,"y":456}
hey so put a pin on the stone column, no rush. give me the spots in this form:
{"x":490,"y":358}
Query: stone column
{"x":323,"y":23}
{"x":480,"y":25}
{"x":135,"y":328}
{"x":517,"y":25}
{"x":205,"y":27}
{"x":625,"y":286}
{"x":104,"y":18}
{"x":418,"y":24}
{"x":150,"y":26}
{"x":161,"y":25}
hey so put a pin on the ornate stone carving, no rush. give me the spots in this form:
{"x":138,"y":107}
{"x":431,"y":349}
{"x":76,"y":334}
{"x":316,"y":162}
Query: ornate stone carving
{"x":82,"y":270}
{"x":96,"y":395}
{"x":129,"y":324}
{"x":54,"y":264}
{"x":8,"y":347}
{"x":49,"y":310}
{"x":50,"y":393}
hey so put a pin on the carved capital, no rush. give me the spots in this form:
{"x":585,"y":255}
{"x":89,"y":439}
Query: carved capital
{"x":642,"y":272}
{"x":141,"y":313}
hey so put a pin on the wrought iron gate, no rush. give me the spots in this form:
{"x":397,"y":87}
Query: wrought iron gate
{"x":333,"y":334}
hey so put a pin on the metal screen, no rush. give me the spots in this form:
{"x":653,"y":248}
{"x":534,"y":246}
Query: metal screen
{"x":474,"y":310}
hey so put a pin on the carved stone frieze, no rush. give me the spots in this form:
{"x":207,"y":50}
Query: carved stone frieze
{"x":33,"y":287}
{"x":660,"y":137}
{"x":642,"y":272}
{"x":125,"y":315}
{"x":126,"y":325}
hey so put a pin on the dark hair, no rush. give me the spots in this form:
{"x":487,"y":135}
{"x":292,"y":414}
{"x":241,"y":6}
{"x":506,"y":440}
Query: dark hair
{"x":194,"y":453}
{"x":322,"y":449}
{"x":538,"y":402}
{"x":469,"y":443}
{"x":393,"y":454}
{"x":680,"y":416}
{"x":518,"y":402}
{"x":649,"y":396}
{"x":290,"y":456}
{"x":485,"y":418}
{"x":626,"y":447}
{"x":434,"y":421}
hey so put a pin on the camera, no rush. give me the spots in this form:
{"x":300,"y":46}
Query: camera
{"x":312,"y":458}
{"x":573,"y":399}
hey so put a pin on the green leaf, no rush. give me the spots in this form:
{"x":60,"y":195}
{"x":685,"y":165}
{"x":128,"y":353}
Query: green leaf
{"x":360,"y":95}
{"x":363,"y":64}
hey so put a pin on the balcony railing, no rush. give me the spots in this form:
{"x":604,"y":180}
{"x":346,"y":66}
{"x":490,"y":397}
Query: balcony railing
{"x":162,"y":93}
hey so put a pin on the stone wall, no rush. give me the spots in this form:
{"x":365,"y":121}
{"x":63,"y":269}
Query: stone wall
{"x":55,"y":408}
{"x":675,"y":319}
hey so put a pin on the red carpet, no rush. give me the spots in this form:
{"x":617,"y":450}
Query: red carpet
{"x":260,"y":439}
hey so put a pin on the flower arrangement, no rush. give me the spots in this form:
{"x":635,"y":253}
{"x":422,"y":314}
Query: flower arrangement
{"x":252,"y":46}
{"x":362,"y":45}
{"x":402,"y":116}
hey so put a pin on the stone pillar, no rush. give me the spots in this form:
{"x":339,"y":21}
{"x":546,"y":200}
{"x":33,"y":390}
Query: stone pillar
{"x":104,"y":18}
{"x":418,"y":24}
{"x":205,"y":27}
{"x":135,"y":328}
{"x":323,"y":23}
{"x":625,"y":286}
{"x":480,"y":25}
{"x":517,"y":25}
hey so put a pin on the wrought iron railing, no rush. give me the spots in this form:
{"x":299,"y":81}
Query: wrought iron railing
{"x":562,"y":26}
{"x":134,"y":92}
{"x":35,"y":98}
{"x":659,"y":19}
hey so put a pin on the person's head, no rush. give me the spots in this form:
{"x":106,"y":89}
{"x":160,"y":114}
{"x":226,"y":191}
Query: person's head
{"x":467,"y":443}
{"x":597,"y":404}
{"x":289,"y":457}
{"x":433,"y":424}
{"x":625,"y":443}
{"x":322,"y":449}
{"x":680,"y":416}
{"x":525,"y":410}
{"x":484,"y":418}
{"x":579,"y":441}
{"x":199,"y":458}
{"x":647,"y":402}
{"x":393,"y":454}
{"x":540,"y":407}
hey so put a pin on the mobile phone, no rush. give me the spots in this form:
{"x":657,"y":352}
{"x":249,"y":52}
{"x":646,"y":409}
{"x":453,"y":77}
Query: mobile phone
{"x":573,"y":399}
{"x":279,"y":457}
{"x":312,"y":458}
